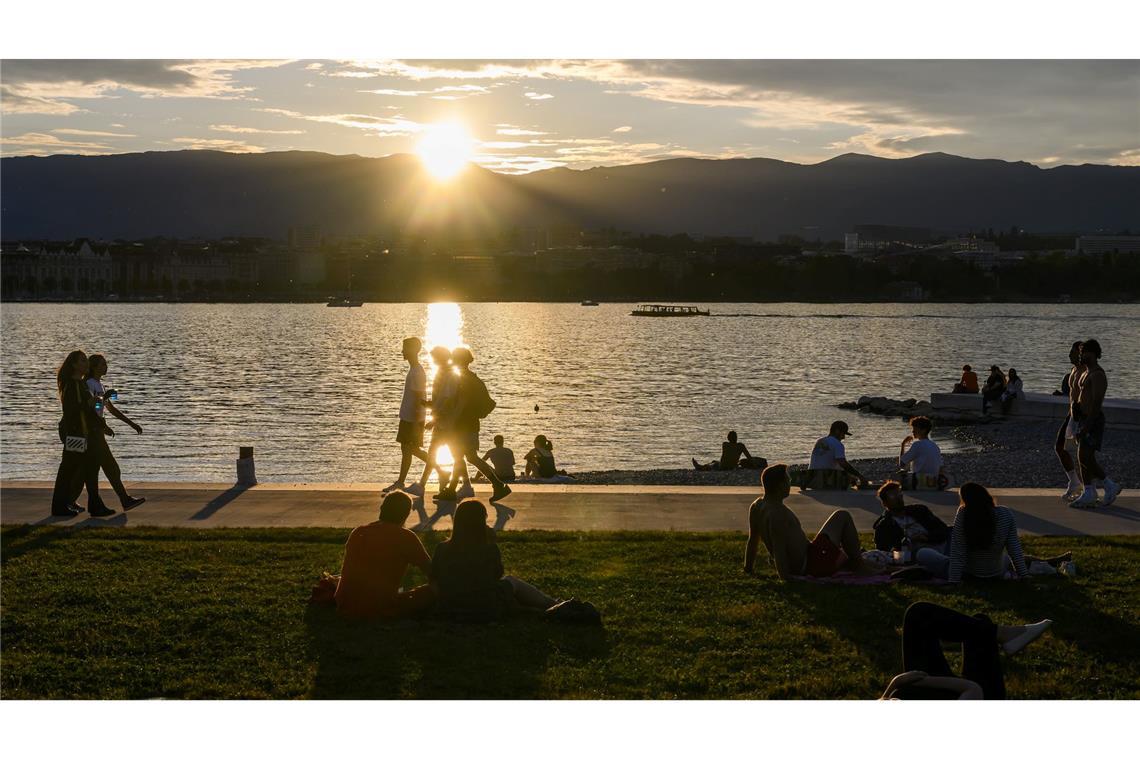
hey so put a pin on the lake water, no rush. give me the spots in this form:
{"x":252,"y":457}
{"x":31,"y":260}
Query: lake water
{"x":316,"y":390}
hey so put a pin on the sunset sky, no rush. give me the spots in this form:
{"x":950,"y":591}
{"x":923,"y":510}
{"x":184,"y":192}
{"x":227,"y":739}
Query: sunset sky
{"x":528,"y":115}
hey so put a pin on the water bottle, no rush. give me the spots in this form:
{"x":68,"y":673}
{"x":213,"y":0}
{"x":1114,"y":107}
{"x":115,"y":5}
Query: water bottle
{"x":906,"y":554}
{"x":98,"y":406}
{"x":113,"y":396}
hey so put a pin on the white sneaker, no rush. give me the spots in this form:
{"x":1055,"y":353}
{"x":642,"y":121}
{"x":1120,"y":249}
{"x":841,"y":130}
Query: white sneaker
{"x":1111,"y":491}
{"x":397,"y":486}
{"x":465,"y":492}
{"x":1086,"y":500}
{"x":1073,"y":492}
{"x":415,"y":489}
{"x":1032,"y":632}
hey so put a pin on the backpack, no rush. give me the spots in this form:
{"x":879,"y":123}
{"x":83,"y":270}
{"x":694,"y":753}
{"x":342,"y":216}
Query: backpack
{"x":481,"y":404}
{"x":888,"y":534}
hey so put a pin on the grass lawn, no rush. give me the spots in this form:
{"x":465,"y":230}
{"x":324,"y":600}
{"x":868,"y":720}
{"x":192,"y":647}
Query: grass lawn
{"x":140,"y":613}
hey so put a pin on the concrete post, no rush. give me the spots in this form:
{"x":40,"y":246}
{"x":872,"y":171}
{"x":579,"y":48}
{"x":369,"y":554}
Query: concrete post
{"x":245,"y":472}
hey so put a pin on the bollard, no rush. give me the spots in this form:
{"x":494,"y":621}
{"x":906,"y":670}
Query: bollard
{"x":245,"y":472}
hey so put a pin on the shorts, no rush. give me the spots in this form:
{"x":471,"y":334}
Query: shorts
{"x":1092,"y":433}
{"x":411,"y":433}
{"x":463,"y":442}
{"x":823,"y":557}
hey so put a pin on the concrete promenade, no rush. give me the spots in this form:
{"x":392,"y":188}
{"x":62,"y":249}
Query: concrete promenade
{"x":541,"y":507}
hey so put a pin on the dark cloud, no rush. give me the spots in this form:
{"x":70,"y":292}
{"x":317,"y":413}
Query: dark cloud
{"x":149,"y":74}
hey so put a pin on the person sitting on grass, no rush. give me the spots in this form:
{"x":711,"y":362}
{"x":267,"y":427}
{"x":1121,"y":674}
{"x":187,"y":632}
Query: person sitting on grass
{"x":914,"y":523}
{"x":928,"y":675}
{"x":923,"y":456}
{"x":969,"y":381}
{"x":983,"y":542}
{"x":502,"y":460}
{"x":834,"y":548}
{"x":467,"y":572}
{"x":733,"y":454}
{"x":375,"y":559}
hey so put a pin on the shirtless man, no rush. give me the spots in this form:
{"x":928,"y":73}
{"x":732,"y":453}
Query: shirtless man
{"x":1088,"y":423}
{"x":1066,"y":444}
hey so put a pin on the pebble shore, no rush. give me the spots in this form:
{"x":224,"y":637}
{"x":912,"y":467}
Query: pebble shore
{"x":1007,"y":454}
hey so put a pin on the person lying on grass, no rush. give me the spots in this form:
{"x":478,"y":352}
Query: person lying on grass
{"x":375,"y":559}
{"x":834,"y":548}
{"x":927,"y":626}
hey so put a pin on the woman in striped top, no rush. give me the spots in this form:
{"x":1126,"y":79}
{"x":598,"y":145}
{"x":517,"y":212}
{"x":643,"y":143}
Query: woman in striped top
{"x":983,"y":541}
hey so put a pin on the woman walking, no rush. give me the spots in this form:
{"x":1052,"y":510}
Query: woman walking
{"x":78,"y":467}
{"x":97,"y":368}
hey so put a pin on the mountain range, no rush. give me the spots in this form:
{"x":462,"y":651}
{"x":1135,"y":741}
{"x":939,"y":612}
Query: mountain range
{"x":213,"y":194}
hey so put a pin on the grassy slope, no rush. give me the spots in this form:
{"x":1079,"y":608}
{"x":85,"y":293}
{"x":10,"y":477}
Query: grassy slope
{"x":221,"y":613}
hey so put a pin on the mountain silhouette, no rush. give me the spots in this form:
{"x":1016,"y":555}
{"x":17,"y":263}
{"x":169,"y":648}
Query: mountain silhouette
{"x":213,"y":194}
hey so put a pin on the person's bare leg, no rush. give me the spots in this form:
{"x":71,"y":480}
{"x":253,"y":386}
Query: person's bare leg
{"x":485,"y":469}
{"x":1057,"y":561}
{"x":529,"y":596}
{"x":405,"y":461}
{"x":840,"y":528}
{"x":1090,"y":468}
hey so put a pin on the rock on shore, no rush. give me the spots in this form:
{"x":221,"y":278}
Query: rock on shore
{"x":889,"y":407}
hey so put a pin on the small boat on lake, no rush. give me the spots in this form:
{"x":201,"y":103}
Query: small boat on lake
{"x":667,"y":310}
{"x":589,"y":303}
{"x":344,"y":302}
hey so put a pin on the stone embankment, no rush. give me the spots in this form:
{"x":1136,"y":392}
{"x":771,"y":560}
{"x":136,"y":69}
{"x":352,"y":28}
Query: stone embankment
{"x":889,"y":407}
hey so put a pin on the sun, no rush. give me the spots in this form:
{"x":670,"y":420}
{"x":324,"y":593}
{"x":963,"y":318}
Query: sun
{"x":445,"y":149}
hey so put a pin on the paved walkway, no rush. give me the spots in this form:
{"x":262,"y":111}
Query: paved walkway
{"x":542,"y":507}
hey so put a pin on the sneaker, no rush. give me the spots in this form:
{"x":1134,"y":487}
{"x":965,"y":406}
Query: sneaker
{"x":396,"y":486}
{"x":101,"y":511}
{"x":1069,"y":569}
{"x":77,"y":509}
{"x":1086,"y":500}
{"x":501,"y":491}
{"x":465,"y":492}
{"x":65,"y":512}
{"x":133,"y":502}
{"x":1073,"y":492}
{"x":1111,"y":491}
{"x":446,"y":494}
{"x":415,"y":489}
{"x":1033,"y":631}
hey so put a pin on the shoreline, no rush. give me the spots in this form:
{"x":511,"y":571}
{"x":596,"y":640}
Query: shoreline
{"x":575,"y":301}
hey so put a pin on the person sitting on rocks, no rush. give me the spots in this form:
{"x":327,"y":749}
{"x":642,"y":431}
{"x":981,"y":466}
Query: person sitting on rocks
{"x":995,"y":386}
{"x":733,"y":454}
{"x":375,"y":559}
{"x":923,"y":456}
{"x":969,"y":381}
{"x":834,"y":548}
{"x":914,"y":523}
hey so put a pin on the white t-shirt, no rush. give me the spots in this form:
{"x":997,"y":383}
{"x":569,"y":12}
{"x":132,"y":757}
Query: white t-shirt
{"x":415,"y":390}
{"x":96,"y":389}
{"x":827,"y":450}
{"x":923,"y":456}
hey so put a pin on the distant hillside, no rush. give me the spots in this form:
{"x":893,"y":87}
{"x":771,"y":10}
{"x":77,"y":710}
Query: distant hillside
{"x":213,"y":194}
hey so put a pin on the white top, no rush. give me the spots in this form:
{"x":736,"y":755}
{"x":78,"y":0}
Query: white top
{"x":415,"y":391}
{"x":827,"y":450}
{"x":1014,"y":390}
{"x":96,"y":389}
{"x":923,"y":456}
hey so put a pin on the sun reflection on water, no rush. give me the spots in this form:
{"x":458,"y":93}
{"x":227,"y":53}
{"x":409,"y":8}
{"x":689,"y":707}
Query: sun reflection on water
{"x":443,"y":326}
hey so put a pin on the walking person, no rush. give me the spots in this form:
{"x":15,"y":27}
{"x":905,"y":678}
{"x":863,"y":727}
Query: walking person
{"x":413,"y":414}
{"x":78,"y":468}
{"x":96,"y":369}
{"x":1087,"y":412}
{"x":472,"y":403}
{"x":442,"y":402}
{"x":1066,"y":444}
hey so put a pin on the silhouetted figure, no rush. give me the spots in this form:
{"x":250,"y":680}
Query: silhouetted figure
{"x":540,"y":460}
{"x":994,"y":387}
{"x":829,"y":454}
{"x":834,"y":548}
{"x":442,"y":402}
{"x":97,"y":368}
{"x":79,"y":466}
{"x":969,"y":381}
{"x":375,"y":559}
{"x":413,"y":413}
{"x":1088,"y":423}
{"x":912,"y":524}
{"x":1066,"y":442}
{"x":472,"y":403}
{"x":467,"y":572}
{"x":921,"y":455}
{"x":502,"y":459}
{"x":927,"y":626}
{"x":1014,"y":390}
{"x":733,"y":454}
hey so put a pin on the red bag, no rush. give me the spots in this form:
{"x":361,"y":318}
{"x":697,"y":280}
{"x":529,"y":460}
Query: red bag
{"x":324,"y":593}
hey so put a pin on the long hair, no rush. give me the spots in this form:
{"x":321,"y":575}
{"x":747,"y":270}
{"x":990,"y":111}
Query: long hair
{"x":63,"y":374}
{"x":980,"y":521}
{"x":470,"y":523}
{"x":93,"y":361}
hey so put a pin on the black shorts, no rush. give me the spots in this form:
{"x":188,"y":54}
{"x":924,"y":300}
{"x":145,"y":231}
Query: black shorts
{"x":1062,"y":434}
{"x":1092,"y":433}
{"x":411,"y":433}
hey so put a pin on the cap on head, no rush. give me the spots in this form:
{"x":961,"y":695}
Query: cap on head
{"x":839,"y":426}
{"x":462,"y":356}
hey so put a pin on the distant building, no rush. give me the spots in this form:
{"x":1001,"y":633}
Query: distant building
{"x":556,"y":260}
{"x":973,"y":244}
{"x":886,"y":236}
{"x":55,"y":270}
{"x":306,"y":264}
{"x":1108,"y":244}
{"x":851,"y":242}
{"x":904,"y":290}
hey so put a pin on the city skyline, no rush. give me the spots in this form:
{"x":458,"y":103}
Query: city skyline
{"x":525,"y":115}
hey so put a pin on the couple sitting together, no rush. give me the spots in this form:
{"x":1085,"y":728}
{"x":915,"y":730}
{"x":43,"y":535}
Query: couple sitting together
{"x":983,"y":542}
{"x":465,"y":573}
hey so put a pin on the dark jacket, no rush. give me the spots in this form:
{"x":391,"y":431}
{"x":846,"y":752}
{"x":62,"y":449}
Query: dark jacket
{"x":889,"y":534}
{"x":79,"y":416}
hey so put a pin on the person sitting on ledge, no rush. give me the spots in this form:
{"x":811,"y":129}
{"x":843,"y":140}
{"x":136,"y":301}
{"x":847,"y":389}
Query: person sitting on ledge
{"x":375,"y":559}
{"x":733,"y":454}
{"x":834,"y":548}
{"x":928,"y":675}
{"x":995,"y":386}
{"x":467,"y":572}
{"x":1013,"y":390}
{"x":983,"y":542}
{"x":912,"y":522}
{"x":924,"y":458}
{"x":829,"y":456}
{"x":969,"y":381}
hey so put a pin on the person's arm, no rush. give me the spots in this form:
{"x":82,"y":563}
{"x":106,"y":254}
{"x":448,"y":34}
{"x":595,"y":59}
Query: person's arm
{"x":1013,"y":547}
{"x":744,"y":451}
{"x":350,"y":550}
{"x":750,"y":551}
{"x":419,"y":556}
{"x":850,"y":470}
{"x":906,"y":455}
{"x":115,"y":411}
{"x":957,"y":547}
{"x":484,"y":457}
{"x":1097,"y":388}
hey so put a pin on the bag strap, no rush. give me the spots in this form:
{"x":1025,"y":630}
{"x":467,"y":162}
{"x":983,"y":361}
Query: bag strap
{"x":82,"y":410}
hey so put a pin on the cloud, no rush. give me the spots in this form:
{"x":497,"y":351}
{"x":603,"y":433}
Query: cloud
{"x":229,"y":146}
{"x":382,"y":126}
{"x":509,"y":130}
{"x":234,"y":129}
{"x":447,"y":92}
{"x":43,"y":144}
{"x":623,"y":129}
{"x":89,"y":133}
{"x":17,"y":102}
{"x":537,"y":95}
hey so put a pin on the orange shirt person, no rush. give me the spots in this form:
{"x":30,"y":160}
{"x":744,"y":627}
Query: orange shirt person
{"x":969,"y":381}
{"x":375,"y":559}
